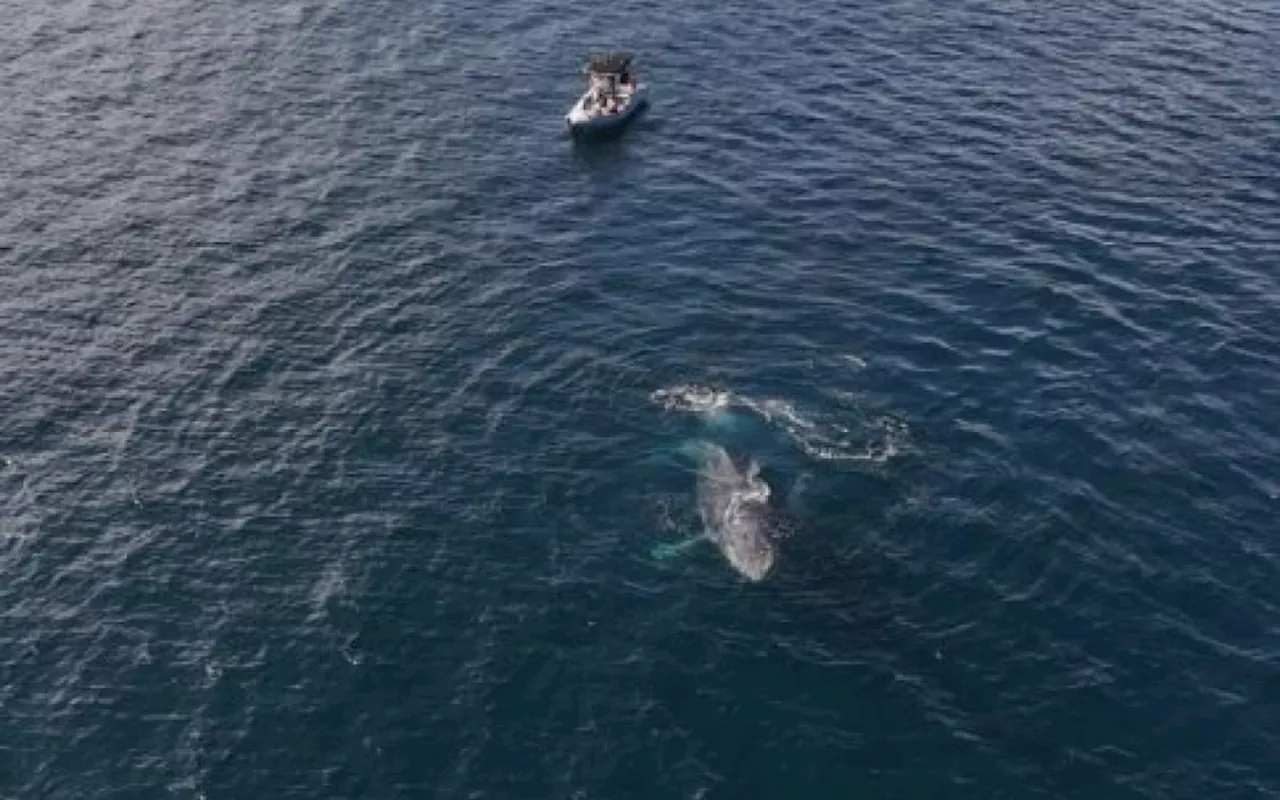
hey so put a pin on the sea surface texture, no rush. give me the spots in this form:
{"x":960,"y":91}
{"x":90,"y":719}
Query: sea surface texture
{"x":352,"y":413}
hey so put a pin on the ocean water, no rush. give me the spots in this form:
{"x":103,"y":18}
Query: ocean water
{"x":348,"y":403}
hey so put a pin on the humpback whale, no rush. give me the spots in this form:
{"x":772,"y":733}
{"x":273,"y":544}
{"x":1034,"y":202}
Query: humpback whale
{"x":733,"y":503}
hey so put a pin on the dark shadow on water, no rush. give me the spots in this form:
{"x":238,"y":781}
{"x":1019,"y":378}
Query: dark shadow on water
{"x":611,"y":151}
{"x":607,"y":152}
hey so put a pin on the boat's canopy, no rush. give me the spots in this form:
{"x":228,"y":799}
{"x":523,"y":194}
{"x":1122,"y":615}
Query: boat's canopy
{"x":608,"y":63}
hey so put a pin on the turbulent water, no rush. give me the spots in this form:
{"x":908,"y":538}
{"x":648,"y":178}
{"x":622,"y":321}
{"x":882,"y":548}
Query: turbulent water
{"x":344,"y":399}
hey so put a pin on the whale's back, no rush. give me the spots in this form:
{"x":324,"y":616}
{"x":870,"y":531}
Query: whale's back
{"x":733,"y":504}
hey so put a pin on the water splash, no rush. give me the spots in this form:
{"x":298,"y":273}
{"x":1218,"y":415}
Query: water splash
{"x":873,"y":440}
{"x":693,"y":398}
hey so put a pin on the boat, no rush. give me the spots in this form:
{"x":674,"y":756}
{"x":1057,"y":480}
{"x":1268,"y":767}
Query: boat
{"x":613,"y":98}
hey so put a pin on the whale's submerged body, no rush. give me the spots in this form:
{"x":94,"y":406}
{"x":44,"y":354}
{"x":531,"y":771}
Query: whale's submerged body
{"x":734,"y":505}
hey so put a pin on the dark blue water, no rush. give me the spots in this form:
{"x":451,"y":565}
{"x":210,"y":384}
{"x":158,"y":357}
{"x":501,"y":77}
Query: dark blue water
{"x":345,"y":400}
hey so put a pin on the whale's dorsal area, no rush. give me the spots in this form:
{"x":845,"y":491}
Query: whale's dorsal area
{"x":733,"y":501}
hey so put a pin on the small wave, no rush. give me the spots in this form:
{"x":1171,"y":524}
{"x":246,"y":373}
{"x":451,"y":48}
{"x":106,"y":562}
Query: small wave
{"x":876,"y":440}
{"x":330,"y":586}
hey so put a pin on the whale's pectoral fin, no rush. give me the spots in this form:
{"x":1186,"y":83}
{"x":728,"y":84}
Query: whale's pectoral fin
{"x":666,"y":550}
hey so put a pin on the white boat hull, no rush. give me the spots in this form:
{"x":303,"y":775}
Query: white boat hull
{"x":582,"y":120}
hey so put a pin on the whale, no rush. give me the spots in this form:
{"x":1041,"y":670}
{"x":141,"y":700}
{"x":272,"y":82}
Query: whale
{"x":733,"y":502}
{"x":734,"y":507}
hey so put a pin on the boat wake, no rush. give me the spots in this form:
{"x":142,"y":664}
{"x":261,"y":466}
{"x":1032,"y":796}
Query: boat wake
{"x":866,"y":439}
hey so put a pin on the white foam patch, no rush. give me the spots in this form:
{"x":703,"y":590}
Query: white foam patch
{"x":690,"y":397}
{"x":888,"y":442}
{"x":876,"y":440}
